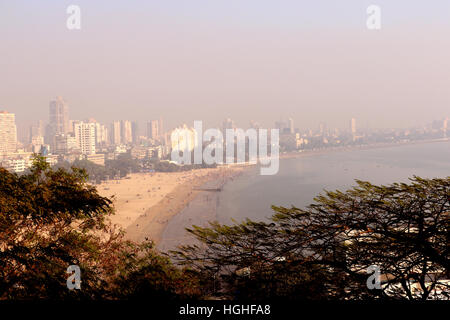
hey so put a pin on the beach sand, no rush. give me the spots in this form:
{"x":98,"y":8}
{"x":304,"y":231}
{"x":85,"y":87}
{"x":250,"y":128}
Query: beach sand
{"x":145,"y":202}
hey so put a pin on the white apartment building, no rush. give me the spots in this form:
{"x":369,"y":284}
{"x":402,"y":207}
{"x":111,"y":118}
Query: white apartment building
{"x":59,"y":116}
{"x":85,"y":136}
{"x":8,"y":132}
{"x":17,"y":161}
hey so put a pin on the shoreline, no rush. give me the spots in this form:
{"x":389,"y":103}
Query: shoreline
{"x":203,"y":208}
{"x":292,"y":154}
{"x":150,"y":220}
{"x":200,"y":211}
{"x":153,"y":221}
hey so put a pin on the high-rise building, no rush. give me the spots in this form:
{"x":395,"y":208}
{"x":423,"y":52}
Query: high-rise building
{"x":353,"y":127}
{"x":85,"y":136}
{"x":153,"y":129}
{"x":71,"y":122}
{"x":101,"y":133}
{"x":291,"y":125}
{"x":36,"y":130}
{"x":116,"y":133}
{"x":134,"y":132}
{"x":36,"y":143}
{"x":126,"y":132}
{"x":59,"y":116}
{"x":64,"y":143}
{"x":8,"y":132}
{"x":160,"y":127}
{"x":58,"y":121}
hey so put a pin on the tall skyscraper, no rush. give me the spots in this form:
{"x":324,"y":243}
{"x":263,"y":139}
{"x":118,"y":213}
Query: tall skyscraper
{"x":101,"y":134}
{"x":134,"y":132}
{"x":291,"y":125}
{"x":353,"y":128}
{"x":160,"y":127}
{"x":116,"y":133}
{"x":63,"y":143}
{"x":59,"y":116}
{"x":153,"y":129}
{"x":8,"y":132}
{"x":85,"y":136}
{"x":126,"y":135}
{"x":36,"y":130}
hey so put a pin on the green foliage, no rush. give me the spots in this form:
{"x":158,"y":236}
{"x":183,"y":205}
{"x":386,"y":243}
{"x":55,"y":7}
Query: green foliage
{"x":325,"y":250}
{"x":144,"y":274}
{"x":50,"y":219}
{"x":38,"y":237}
{"x":165,"y":166}
{"x":123,"y":165}
{"x":119,"y":167}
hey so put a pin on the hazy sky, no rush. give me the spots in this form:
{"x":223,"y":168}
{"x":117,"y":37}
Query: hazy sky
{"x":245,"y":59}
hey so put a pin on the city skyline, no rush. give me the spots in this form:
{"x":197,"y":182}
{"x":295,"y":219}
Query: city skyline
{"x":57,"y":124}
{"x":129,"y":130}
{"x":64,"y":135}
{"x":306,"y":61}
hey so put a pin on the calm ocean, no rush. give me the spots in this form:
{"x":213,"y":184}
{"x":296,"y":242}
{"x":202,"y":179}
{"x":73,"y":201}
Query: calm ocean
{"x":300,"y":179}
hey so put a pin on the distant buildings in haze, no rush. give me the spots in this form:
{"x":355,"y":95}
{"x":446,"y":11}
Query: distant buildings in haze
{"x":8,"y":132}
{"x":63,"y":139}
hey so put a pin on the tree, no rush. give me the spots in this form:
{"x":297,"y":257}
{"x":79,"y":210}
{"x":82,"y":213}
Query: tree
{"x":123,"y":165}
{"x":46,"y":223}
{"x":51,"y":219}
{"x":325,"y":250}
{"x":142,"y":273}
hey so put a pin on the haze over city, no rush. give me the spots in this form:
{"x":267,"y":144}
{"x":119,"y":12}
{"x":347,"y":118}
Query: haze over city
{"x":262,"y":60}
{"x":241,"y":159}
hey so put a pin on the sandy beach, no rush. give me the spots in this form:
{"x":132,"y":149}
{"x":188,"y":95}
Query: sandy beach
{"x":145,"y":202}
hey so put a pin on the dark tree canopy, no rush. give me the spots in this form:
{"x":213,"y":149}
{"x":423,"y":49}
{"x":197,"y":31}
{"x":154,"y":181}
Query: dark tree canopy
{"x":325,"y":250}
{"x":51,"y":219}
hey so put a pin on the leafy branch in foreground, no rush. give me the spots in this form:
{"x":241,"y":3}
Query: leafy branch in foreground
{"x":324,"y":251}
{"x":50,"y":219}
